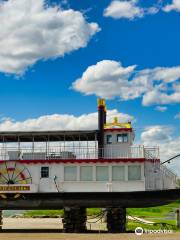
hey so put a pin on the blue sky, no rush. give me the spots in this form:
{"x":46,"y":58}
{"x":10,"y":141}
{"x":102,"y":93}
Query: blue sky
{"x":147,"y":41}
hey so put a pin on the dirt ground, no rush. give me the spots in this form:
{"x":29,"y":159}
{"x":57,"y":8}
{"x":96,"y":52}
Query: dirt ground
{"x":49,"y":229}
{"x":62,"y":236}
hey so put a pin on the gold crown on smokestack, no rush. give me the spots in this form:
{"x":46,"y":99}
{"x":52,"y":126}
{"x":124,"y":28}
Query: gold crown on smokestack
{"x":101,"y":102}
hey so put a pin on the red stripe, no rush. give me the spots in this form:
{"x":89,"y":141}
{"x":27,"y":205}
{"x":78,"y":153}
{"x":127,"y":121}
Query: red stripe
{"x":67,"y":161}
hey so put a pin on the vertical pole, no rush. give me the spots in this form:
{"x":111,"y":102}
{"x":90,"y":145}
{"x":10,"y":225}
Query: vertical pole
{"x":46,"y":149}
{"x":3,"y":150}
{"x":73,"y":147}
{"x":95,"y":152}
{"x":19,"y":149}
{"x":87,"y":152}
{"x":79,"y":150}
{"x":177,"y":218}
{"x":1,"y":219}
{"x":33,"y":147}
{"x":64,"y":143}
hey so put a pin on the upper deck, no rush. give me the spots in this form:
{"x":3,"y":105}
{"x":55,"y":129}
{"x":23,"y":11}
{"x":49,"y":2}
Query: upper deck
{"x":47,"y":145}
{"x":136,"y":153}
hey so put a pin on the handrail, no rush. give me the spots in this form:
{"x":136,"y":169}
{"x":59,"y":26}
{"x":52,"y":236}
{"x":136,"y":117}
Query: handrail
{"x":170,"y":159}
{"x":69,"y":152}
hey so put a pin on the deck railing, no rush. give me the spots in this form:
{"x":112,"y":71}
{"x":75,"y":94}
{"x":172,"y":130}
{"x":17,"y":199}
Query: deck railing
{"x":59,"y":152}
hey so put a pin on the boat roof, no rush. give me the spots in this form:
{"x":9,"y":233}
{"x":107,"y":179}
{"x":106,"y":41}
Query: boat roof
{"x":52,"y":136}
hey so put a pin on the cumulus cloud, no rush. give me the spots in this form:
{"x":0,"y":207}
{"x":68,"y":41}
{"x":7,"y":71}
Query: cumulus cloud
{"x":31,"y":30}
{"x":161,"y":108}
{"x":177,"y":116}
{"x":61,"y":122}
{"x":110,"y":79}
{"x":169,"y":145}
{"x":124,"y":9}
{"x":106,"y":79}
{"x":156,"y":134}
{"x":155,"y":96}
{"x":175,"y":5}
{"x":130,"y":9}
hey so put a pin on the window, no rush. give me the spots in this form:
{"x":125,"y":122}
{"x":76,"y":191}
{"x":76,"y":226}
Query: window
{"x":70,"y":173}
{"x":44,"y":172}
{"x":118,"y":173}
{"x":122,"y":138}
{"x":86,"y":173}
{"x":109,"y":139}
{"x":102,"y":173}
{"x":134,"y":172}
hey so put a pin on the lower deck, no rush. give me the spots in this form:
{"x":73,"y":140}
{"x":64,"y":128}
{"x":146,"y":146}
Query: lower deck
{"x":136,"y":199}
{"x":92,"y":175}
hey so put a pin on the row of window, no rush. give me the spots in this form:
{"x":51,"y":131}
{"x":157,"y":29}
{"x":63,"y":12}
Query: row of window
{"x":102,"y":173}
{"x":120,"y":138}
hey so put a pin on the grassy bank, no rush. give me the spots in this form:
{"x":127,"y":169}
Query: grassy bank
{"x":151,"y":212}
{"x":162,"y":216}
{"x":54,"y":213}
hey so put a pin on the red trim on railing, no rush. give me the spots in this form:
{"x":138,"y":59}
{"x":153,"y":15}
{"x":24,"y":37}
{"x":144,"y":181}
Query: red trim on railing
{"x":79,"y":161}
{"x":118,"y":129}
{"x":10,"y":169}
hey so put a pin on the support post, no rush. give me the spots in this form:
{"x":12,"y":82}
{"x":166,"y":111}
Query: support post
{"x":116,"y":220}
{"x":1,"y":219}
{"x":74,"y":220}
{"x":177,"y":218}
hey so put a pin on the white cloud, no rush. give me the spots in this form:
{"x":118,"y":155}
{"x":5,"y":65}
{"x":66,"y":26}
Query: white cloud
{"x":130,"y":9}
{"x":31,"y":30}
{"x":169,"y":145}
{"x":106,"y":79}
{"x":177,"y":116}
{"x":110,"y":79}
{"x":124,"y":9}
{"x":161,"y":108}
{"x":156,"y":135}
{"x":61,"y":122}
{"x":175,"y":5}
{"x":160,"y":98}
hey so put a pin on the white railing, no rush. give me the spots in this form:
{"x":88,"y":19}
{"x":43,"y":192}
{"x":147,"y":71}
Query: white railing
{"x":151,"y":152}
{"x":158,"y":176}
{"x":169,"y":178}
{"x":60,"y":152}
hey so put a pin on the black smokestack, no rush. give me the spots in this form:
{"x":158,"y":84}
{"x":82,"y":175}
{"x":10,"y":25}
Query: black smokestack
{"x":105,"y":113}
{"x":101,"y":122}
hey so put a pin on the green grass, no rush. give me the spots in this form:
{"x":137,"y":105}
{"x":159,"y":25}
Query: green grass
{"x":161,"y":214}
{"x":153,"y":212}
{"x":53,"y":213}
{"x":149,"y":212}
{"x":131,"y":226}
{"x":50,"y":213}
{"x":158,"y":215}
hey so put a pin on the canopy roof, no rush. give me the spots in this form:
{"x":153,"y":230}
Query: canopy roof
{"x":43,"y":136}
